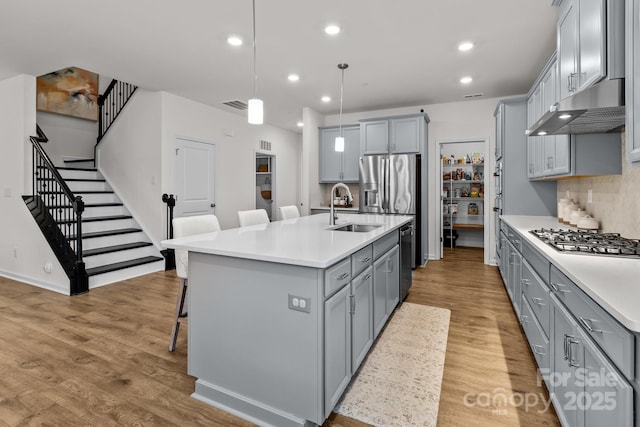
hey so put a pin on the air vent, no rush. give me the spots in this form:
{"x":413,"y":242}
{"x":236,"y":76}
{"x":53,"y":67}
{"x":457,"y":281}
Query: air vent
{"x":474,"y":95}
{"x":239,"y":105}
{"x":265,"y":145}
{"x":556,"y":2}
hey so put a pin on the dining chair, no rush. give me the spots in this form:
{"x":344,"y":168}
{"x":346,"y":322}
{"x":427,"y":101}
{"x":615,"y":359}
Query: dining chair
{"x":183,"y":227}
{"x":289,"y":212}
{"x":252,"y":217}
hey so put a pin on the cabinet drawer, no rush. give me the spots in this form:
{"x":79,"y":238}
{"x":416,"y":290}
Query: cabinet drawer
{"x":616,"y":341}
{"x":539,"y":263}
{"x":385,"y":243}
{"x":361,"y":260}
{"x":535,"y":335}
{"x":514,"y":238}
{"x":336,"y":276}
{"x":537,"y":295}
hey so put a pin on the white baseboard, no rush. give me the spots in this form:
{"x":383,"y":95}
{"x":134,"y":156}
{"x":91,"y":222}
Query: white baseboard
{"x":35,"y":282}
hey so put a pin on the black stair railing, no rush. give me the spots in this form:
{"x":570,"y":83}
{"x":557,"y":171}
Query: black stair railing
{"x":111,"y":103}
{"x":64,"y":208}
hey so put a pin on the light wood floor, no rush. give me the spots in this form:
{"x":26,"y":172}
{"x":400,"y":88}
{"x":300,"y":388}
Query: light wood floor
{"x":101,"y":358}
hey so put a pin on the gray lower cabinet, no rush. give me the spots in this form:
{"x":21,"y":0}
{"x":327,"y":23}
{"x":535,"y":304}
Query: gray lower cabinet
{"x":586,"y":388}
{"x":362,"y":317}
{"x":386,"y":288}
{"x":587,"y":358}
{"x":361,"y":296}
{"x":337,"y":347}
{"x":348,"y":326}
{"x":515,"y":263}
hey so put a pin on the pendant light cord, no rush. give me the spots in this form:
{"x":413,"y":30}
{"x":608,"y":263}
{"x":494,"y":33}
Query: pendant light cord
{"x":341,"y":67}
{"x":255,"y":74}
{"x":341,"y":95}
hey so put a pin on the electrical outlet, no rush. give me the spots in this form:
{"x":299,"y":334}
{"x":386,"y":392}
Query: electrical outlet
{"x":589,"y":196}
{"x":7,"y":192}
{"x":48,"y":267}
{"x":15,"y":252}
{"x":299,"y":303}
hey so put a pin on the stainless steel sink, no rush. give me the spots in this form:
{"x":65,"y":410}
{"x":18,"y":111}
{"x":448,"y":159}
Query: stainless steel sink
{"x":356,"y":228}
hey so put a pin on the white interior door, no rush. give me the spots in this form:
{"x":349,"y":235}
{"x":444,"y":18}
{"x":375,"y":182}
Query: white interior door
{"x":195,"y":181}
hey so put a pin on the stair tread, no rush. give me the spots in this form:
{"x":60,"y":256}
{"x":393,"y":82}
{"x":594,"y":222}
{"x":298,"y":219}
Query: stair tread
{"x":98,"y":218}
{"x":106,"y":233}
{"x":79,"y":160}
{"x":122,"y":265}
{"x":115,"y":248}
{"x":74,"y":179}
{"x":89,"y":205}
{"x":78,"y":169}
{"x":80,"y":192}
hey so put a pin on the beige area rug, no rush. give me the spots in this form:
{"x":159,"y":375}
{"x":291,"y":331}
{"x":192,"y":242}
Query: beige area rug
{"x":399,"y":382}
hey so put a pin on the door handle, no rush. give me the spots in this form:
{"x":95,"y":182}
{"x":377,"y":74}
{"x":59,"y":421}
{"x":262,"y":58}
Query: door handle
{"x":587,"y":323}
{"x":537,"y":301}
{"x":213,"y":205}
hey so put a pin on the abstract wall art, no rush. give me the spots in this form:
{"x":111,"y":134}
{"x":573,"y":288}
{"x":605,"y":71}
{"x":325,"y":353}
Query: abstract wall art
{"x":71,"y":91}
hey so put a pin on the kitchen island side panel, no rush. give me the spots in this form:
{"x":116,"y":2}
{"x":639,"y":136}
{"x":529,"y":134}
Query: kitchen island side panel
{"x":246,"y":342}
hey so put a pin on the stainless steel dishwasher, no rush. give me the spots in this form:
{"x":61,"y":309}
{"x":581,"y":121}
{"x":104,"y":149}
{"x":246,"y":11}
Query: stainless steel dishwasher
{"x":406,"y":259}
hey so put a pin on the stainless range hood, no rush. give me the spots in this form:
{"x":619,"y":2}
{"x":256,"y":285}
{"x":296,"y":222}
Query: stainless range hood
{"x":598,"y":109}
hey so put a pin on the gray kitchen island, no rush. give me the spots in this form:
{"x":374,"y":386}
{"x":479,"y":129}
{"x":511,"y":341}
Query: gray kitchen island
{"x":282,"y":314}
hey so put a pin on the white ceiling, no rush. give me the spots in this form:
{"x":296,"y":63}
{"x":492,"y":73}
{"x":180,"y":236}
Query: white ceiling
{"x":400,"y":53}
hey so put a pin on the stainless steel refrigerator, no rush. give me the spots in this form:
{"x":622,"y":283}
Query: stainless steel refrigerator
{"x":390,"y":185}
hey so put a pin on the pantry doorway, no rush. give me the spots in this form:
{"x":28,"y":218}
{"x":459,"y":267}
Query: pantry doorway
{"x":461,"y":182}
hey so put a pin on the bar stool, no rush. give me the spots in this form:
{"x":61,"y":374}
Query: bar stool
{"x":253,"y":217}
{"x":289,"y":212}
{"x":183,"y":227}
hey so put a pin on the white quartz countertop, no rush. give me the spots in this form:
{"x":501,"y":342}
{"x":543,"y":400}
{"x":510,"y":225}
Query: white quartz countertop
{"x":613,"y":282}
{"x":305,"y":241}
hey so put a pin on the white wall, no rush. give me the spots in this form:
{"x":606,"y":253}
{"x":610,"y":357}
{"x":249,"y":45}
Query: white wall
{"x":312,"y":191}
{"x":69,"y":137}
{"x":450,"y":121}
{"x":129,"y":157}
{"x":18,"y":229}
{"x":236,"y":144}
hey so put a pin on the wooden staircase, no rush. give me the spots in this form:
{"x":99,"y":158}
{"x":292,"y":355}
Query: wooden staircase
{"x":114,"y":246}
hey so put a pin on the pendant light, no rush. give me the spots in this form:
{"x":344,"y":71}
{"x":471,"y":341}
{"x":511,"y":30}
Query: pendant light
{"x":255,"y":105}
{"x":339,"y":145}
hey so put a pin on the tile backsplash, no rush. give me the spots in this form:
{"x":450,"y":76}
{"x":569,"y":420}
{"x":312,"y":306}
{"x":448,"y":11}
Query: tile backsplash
{"x":326,"y":193}
{"x":615,"y":198}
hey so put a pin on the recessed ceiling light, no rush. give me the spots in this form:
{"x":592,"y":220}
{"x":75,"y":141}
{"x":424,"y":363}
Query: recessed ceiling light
{"x":564,"y":116}
{"x":466,"y":80}
{"x":326,"y":98}
{"x":300,"y":124}
{"x":542,"y":133}
{"x":293,"y":77}
{"x":234,"y":41}
{"x":332,"y":30}
{"x":465,"y":46}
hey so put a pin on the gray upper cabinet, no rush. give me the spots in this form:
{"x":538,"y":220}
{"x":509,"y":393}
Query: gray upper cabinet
{"x":581,"y":45}
{"x":591,"y":42}
{"x":547,"y":155}
{"x":633,"y":80}
{"x":552,"y":157}
{"x":405,"y":135}
{"x":339,"y":166}
{"x":393,"y":135}
{"x":375,"y":137}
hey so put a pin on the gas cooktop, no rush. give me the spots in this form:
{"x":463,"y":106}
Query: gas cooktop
{"x":589,"y":242}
